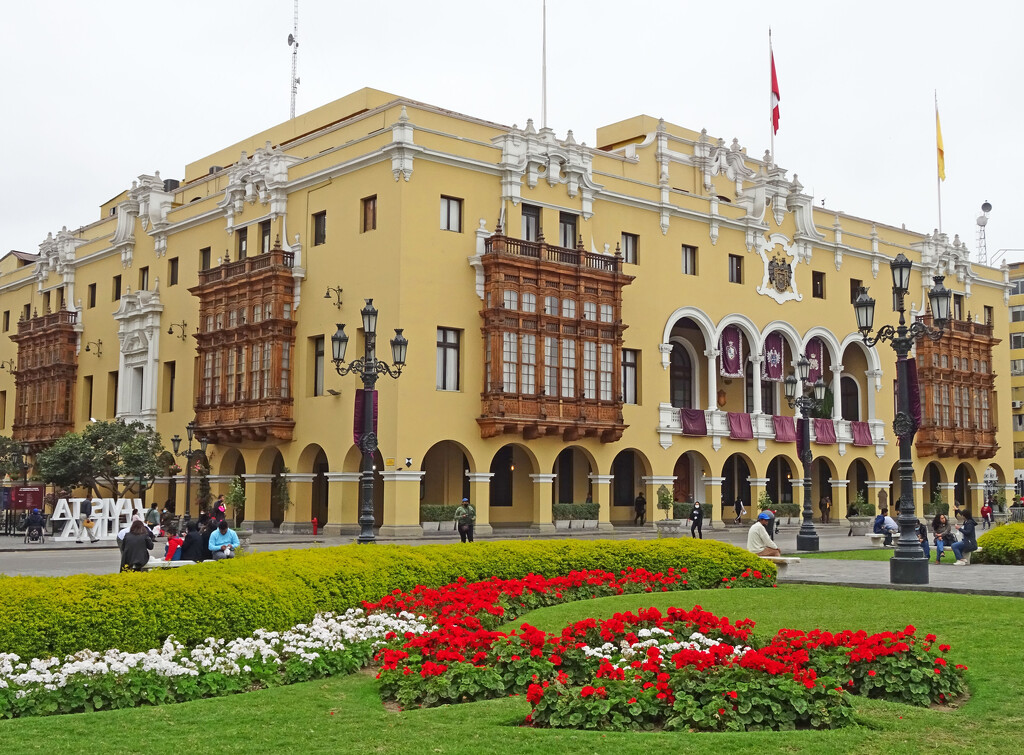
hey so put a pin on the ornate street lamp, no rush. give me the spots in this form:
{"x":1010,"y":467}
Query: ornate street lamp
{"x":909,"y":564}
{"x":797,"y":396}
{"x":367,"y":368}
{"x":189,"y":455}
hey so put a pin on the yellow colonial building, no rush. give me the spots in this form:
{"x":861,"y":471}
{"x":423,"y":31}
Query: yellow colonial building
{"x":583,"y":322}
{"x":1017,"y":368}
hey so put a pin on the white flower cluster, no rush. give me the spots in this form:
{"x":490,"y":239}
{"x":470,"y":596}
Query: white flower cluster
{"x":625,"y":652}
{"x":303,"y":642}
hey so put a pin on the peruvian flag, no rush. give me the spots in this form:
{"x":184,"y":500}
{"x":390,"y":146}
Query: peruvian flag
{"x":775,"y":97}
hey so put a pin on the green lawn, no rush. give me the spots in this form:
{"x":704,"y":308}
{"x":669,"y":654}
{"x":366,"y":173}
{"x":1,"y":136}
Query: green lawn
{"x":873,"y":554}
{"x":982,"y":631}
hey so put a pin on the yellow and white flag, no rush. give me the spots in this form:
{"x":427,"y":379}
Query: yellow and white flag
{"x":940,"y":153}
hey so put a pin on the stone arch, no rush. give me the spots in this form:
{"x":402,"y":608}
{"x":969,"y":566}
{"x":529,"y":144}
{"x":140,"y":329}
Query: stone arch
{"x":789,"y":334}
{"x":934,"y":475}
{"x":444,"y":468}
{"x":871,"y":354}
{"x":782,"y":473}
{"x":573,"y":466}
{"x":694,"y":398}
{"x":699,"y":318}
{"x":628,"y":468}
{"x":736,"y":473}
{"x":750,"y":331}
{"x":963,"y":477}
{"x":312,"y":496}
{"x":512,"y":490}
{"x":232,"y":464}
{"x":858,"y":473}
{"x":827,"y":338}
{"x":267,"y":460}
{"x":689,"y":470}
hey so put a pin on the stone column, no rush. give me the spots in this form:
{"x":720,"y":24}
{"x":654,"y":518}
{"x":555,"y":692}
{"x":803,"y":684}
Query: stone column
{"x":480,"y":497}
{"x":840,"y":509}
{"x":257,"y":503}
{"x":757,"y":484}
{"x":342,"y":504}
{"x":712,"y":355}
{"x":837,"y":391}
{"x":651,"y":484}
{"x":919,"y":500}
{"x":755,"y":361}
{"x":713,"y":495}
{"x":603,"y":498}
{"x":871,"y":379}
{"x":977,"y":499}
{"x":297,"y":519}
{"x":948,"y":490}
{"x":402,"y":504}
{"x":542,"y":483}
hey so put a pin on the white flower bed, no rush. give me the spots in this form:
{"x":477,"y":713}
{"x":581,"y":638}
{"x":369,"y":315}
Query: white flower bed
{"x":305,"y":643}
{"x":625,"y":652}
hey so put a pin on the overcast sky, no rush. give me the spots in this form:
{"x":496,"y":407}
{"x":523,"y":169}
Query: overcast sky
{"x":96,"y":93}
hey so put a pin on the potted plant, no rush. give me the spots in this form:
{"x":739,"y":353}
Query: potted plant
{"x":563,"y":515}
{"x":433,"y":517}
{"x":936,"y":506}
{"x":999,"y":512}
{"x":667,"y":526}
{"x":589,"y":513}
{"x":861,"y":515}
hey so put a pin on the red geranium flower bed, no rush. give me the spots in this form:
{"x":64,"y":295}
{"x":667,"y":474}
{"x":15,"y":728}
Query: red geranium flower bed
{"x":681,"y":669}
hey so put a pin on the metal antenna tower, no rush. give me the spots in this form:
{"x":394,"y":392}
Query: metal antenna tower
{"x":986,"y":208}
{"x":293,"y":42}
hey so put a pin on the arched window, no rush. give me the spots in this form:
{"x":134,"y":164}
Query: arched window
{"x":850,"y":399}
{"x":681,"y":377}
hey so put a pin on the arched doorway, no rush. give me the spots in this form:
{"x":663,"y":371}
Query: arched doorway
{"x":781,"y":474}
{"x":735,"y":485}
{"x":320,"y":490}
{"x":689,"y":471}
{"x":445,"y":481}
{"x":858,"y":475}
{"x":572,"y":470}
{"x":962,"y":492}
{"x":511,"y":489}
{"x":933,"y":478}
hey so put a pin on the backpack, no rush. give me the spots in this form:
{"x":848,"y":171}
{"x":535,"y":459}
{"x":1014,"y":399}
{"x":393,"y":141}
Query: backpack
{"x":879,"y":521}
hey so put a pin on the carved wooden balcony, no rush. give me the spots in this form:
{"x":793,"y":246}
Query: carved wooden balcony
{"x":45,"y":378}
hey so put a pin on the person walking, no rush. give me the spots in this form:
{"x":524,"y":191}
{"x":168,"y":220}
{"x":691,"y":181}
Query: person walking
{"x":697,"y":521}
{"x":219,"y":509}
{"x":137,"y":545}
{"x":825,"y":507}
{"x":85,"y":522}
{"x":740,"y":510}
{"x":465,"y":520}
{"x":640,"y":509}
{"x":986,"y":515}
{"x":153,"y":519}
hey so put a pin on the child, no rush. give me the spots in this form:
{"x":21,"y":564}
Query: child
{"x":174,"y":541}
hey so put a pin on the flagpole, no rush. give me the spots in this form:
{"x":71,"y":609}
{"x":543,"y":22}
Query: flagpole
{"x":938,"y":173}
{"x":771,"y":103}
{"x":544,"y":70}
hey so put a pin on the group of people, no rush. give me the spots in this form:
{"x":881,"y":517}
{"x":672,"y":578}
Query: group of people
{"x":207,"y":538}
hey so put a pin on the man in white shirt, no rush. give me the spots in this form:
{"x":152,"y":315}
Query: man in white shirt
{"x":889,"y":527}
{"x":758,"y":539}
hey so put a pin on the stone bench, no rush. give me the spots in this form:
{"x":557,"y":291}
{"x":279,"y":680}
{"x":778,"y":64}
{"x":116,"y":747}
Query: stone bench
{"x":781,"y":562}
{"x":161,"y":564}
{"x":878,"y":538}
{"x":967,"y":557}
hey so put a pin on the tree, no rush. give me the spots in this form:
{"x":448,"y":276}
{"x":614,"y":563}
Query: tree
{"x":10,"y":453}
{"x":112,"y":456}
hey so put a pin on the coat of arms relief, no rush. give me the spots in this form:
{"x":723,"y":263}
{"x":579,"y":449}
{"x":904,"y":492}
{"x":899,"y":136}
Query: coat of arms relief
{"x":779,"y":259}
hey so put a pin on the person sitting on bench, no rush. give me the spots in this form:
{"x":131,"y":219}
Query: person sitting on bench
{"x":885,"y":525}
{"x":969,"y":544}
{"x":758,"y":539}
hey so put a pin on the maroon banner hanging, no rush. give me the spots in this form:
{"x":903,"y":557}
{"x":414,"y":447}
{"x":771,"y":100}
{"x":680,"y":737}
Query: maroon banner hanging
{"x":771,"y":365}
{"x":693,"y":421}
{"x":732,"y":352}
{"x":800,"y":447}
{"x":785,"y":429}
{"x":357,"y":415}
{"x":814,"y":356}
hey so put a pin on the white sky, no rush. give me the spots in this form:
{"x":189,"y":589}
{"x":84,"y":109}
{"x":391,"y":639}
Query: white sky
{"x":96,"y":93}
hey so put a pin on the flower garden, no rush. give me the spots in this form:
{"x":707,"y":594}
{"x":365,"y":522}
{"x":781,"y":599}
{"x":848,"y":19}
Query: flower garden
{"x":654,"y":667}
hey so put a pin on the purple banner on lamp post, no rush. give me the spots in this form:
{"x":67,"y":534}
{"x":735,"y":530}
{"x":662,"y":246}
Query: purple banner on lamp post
{"x":358,"y":414}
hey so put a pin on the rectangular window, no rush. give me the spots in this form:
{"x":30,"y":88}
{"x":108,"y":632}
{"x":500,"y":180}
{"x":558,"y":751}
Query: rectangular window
{"x":589,"y":310}
{"x":451,"y":214}
{"x":319,"y":228}
{"x":87,"y":396}
{"x":170,"y":378}
{"x":528,"y":372}
{"x":984,"y":409}
{"x":569,"y":308}
{"x":817,"y":284}
{"x":551,"y":307}
{"x":229,"y":376}
{"x":855,"y":284}
{"x":91,"y":296}
{"x":529,"y":302}
{"x":447,"y":359}
{"x":144,"y":278}
{"x":531,"y":223}
{"x":204,"y":258}
{"x":318,"y":365}
{"x":589,"y":369}
{"x":567,"y":230}
{"x":958,"y":307}
{"x":1016,"y":313}
{"x":630,"y":376}
{"x":1017,"y":367}
{"x":369,"y":222}
{"x":286,"y":369}
{"x":264,"y":237}
{"x":735,"y":268}
{"x":551,"y":366}
{"x":268,"y":355}
{"x":26,"y":312}
{"x":511,"y":299}
{"x":630,"y":247}
{"x":1017,"y":340}
{"x":112,"y":394}
{"x":606,"y":372}
{"x":689,"y":260}
{"x":172,"y":271}
{"x":510,"y":362}
{"x":7,"y":320}
{"x":115,"y":287}
{"x":239,"y":377}
{"x":243,"y":243}
{"x":254,"y":370}
{"x":568,"y":368}
{"x":989,"y":316}
{"x":606,"y":313}
{"x":46,"y":303}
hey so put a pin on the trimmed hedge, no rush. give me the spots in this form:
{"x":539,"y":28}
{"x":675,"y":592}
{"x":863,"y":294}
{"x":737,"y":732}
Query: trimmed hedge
{"x":682,"y":510}
{"x":1001,"y":545}
{"x":563,"y":511}
{"x":44,"y":616}
{"x":433,"y":512}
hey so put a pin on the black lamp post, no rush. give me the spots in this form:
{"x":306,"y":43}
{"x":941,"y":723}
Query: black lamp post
{"x":909,"y":565}
{"x":807,"y":537}
{"x":367,"y":368}
{"x":188,"y":455}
